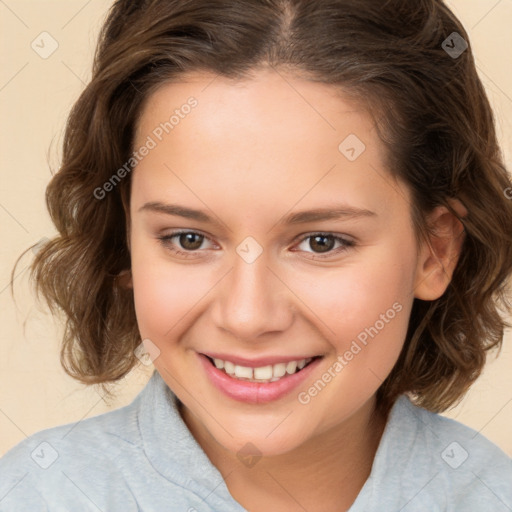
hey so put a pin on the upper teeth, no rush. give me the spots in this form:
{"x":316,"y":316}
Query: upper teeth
{"x":269,"y":373}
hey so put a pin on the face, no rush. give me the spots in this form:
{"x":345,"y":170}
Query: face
{"x":263,"y":233}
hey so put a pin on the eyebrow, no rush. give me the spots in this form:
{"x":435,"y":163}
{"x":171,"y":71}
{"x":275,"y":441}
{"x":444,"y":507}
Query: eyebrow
{"x":179,"y":211}
{"x":318,"y":214}
{"x":301,"y":217}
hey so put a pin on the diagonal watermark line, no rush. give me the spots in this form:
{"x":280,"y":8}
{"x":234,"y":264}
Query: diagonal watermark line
{"x":407,"y":503}
{"x":380,"y":379}
{"x":503,"y":407}
{"x":279,"y":424}
{"x":210,"y":83}
{"x":15,"y":277}
{"x":102,"y":397}
{"x":198,"y":301}
{"x":303,"y":98}
{"x":79,"y":78}
{"x":286,"y":491}
{"x":76,"y":14}
{"x":509,"y":506}
{"x":418,"y":417}
{"x":197,"y":402}
{"x":81,"y":491}
{"x":13,"y":423}
{"x":82,"y":418}
{"x":301,"y":300}
{"x":486,"y":14}
{"x":216,"y":216}
{"x":494,"y":83}
{"x":13,"y":217}
{"x":213,"y":490}
{"x":14,"y":76}
{"x":301,"y":198}
{"x":12,"y":488}
{"x":3,"y":3}
{"x":388,"y":182}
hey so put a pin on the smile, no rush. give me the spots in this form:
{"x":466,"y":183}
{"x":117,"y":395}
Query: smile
{"x":267,"y":373}
{"x":265,"y":380}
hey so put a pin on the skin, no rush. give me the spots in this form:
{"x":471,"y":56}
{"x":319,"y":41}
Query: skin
{"x":249,"y":154}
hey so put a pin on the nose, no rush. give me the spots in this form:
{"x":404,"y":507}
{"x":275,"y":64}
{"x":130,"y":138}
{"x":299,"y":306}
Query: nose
{"x":253,"y":301}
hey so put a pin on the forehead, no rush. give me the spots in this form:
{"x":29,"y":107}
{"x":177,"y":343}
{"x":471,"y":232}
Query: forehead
{"x":272,"y":137}
{"x":282,"y":103}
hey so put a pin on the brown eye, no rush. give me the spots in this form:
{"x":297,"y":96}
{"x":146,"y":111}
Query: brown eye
{"x":322,"y":243}
{"x":186,"y":244}
{"x":325,"y":245}
{"x":191,"y":241}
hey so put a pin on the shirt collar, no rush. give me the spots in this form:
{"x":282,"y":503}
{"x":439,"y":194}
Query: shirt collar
{"x":173,"y":451}
{"x":175,"y":454}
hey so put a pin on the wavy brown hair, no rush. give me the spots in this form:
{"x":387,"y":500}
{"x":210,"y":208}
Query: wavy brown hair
{"x":431,"y":112}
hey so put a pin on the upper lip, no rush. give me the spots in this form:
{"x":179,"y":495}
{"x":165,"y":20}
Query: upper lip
{"x":259,"y":362}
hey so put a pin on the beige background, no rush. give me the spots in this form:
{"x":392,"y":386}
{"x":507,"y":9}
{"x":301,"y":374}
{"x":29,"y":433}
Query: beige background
{"x":35,"y":97}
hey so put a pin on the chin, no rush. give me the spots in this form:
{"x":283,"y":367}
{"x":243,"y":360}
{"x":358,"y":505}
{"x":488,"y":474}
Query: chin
{"x":261,"y":443}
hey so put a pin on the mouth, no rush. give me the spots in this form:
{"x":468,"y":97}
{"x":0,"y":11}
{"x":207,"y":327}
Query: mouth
{"x":256,"y":384}
{"x":261,"y":374}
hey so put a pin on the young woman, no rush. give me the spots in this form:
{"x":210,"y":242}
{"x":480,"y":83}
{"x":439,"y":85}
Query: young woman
{"x":299,"y":210}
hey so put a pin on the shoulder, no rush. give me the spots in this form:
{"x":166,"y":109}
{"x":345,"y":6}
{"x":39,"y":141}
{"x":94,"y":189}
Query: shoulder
{"x":460,"y":443}
{"x":442,"y":463}
{"x":53,"y":460}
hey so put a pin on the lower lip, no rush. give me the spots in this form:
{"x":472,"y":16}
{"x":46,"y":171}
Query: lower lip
{"x":256,"y":392}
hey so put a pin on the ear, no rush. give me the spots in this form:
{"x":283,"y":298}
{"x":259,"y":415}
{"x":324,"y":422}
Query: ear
{"x":438,"y":256}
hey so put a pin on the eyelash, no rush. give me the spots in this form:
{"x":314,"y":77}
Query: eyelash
{"x":346,"y":244}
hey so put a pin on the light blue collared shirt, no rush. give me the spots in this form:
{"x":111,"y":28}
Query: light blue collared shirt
{"x":142,"y":457}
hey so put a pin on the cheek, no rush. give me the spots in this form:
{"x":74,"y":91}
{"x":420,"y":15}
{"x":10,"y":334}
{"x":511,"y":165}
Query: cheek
{"x":163,"y":296}
{"x":369,"y":300}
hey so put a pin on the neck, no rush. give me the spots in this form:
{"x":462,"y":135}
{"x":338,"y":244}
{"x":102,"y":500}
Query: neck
{"x":325,"y":473}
